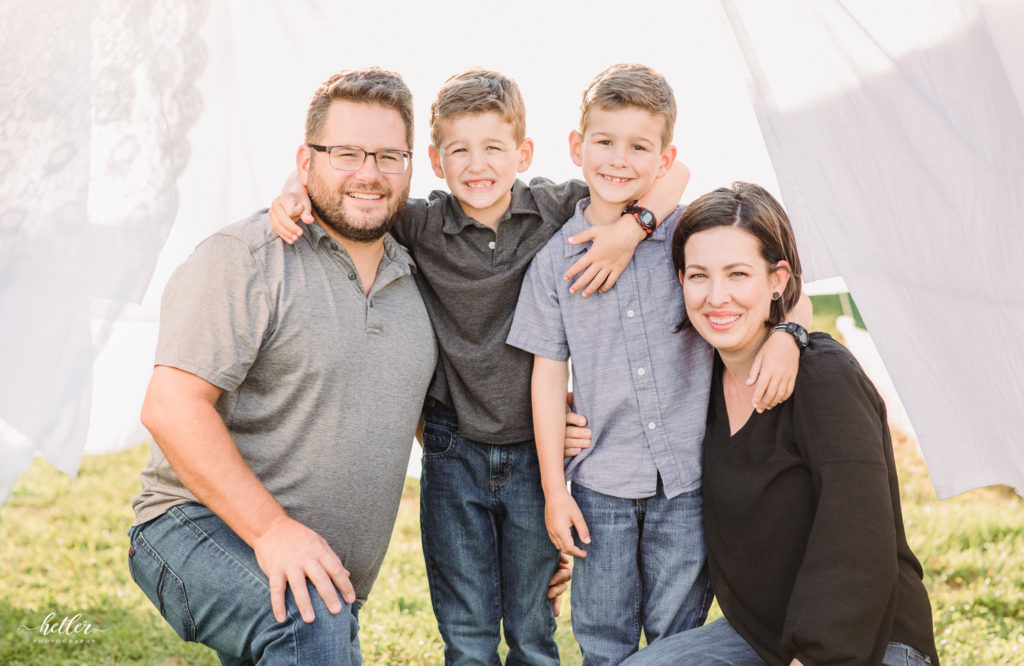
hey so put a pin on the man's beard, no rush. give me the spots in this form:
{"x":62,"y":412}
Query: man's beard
{"x":329,"y":207}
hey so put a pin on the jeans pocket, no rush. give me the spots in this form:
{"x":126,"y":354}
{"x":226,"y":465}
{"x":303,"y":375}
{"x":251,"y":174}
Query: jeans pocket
{"x":163,"y":587}
{"x":917,"y":658}
{"x":901,"y":654}
{"x":438,"y":441}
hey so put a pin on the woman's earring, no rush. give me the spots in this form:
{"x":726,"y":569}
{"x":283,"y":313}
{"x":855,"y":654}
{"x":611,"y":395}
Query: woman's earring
{"x":776,"y":295}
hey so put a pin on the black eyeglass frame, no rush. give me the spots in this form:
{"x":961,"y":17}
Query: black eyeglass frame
{"x":406,"y":154}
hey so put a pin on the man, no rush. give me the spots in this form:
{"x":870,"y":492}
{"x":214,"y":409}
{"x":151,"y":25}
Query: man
{"x":288,"y":384}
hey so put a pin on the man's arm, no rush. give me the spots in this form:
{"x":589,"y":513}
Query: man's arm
{"x":179,"y":412}
{"x":615,"y":244}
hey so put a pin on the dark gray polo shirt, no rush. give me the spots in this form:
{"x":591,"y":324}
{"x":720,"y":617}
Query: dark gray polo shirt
{"x":323,"y":384}
{"x":470,"y":277}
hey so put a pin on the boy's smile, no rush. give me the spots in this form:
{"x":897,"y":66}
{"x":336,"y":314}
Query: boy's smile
{"x":621,"y":154}
{"x":479,"y":159}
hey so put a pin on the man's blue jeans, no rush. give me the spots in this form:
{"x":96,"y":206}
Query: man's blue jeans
{"x":208,"y":586}
{"x":718,"y":643}
{"x":646,"y":568}
{"x":487,"y":550}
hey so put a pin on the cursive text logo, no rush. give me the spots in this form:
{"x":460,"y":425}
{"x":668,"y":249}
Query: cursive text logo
{"x":67,"y":627}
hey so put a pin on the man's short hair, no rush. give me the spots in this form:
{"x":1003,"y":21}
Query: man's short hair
{"x":371,"y":85}
{"x":637,"y":86}
{"x":478,"y":90}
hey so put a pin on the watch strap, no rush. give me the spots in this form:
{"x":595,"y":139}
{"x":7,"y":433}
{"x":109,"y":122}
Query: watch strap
{"x":644,"y":217}
{"x":798,"y":332}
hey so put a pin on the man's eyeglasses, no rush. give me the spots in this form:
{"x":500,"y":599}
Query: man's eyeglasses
{"x":350,"y":158}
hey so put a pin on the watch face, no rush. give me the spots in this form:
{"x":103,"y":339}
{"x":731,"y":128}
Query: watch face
{"x":646,"y":216}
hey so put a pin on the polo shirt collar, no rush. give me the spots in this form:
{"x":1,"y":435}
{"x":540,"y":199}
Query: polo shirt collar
{"x":316,"y":234}
{"x":522,"y":203}
{"x":398,"y":255}
{"x":393,"y":251}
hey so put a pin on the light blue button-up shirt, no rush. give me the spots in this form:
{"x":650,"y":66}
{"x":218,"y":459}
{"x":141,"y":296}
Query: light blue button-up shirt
{"x":643,"y":387}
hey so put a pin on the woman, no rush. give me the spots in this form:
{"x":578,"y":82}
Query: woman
{"x":808,"y":555}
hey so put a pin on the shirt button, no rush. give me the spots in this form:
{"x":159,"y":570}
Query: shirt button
{"x":651,"y":426}
{"x":630,"y":313}
{"x":351,"y":276}
{"x":641,"y":372}
{"x":334,"y":246}
{"x":491,"y":245}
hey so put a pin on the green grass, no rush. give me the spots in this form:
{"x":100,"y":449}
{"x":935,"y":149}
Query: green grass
{"x":826,"y":308}
{"x":63,"y":550}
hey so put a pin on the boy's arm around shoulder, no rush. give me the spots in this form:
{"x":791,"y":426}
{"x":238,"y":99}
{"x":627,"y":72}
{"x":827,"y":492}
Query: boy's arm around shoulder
{"x":289,"y":208}
{"x":776,"y":365}
{"x":293,"y":206}
{"x":614,"y":245}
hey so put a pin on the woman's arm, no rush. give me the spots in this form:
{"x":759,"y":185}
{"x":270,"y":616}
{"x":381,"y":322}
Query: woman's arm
{"x":844,"y":594}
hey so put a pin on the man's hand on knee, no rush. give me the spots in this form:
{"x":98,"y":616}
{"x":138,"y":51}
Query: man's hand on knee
{"x":289,"y":553}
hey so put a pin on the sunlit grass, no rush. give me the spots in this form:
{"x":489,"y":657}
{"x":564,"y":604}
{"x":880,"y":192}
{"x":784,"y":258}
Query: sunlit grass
{"x":63,"y":550}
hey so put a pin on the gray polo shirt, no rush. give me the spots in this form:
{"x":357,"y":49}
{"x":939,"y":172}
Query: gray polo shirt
{"x":323,"y":384}
{"x":470,"y":276}
{"x":643,"y":387}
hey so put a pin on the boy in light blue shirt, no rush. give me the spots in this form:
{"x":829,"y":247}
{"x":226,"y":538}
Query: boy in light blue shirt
{"x":636,"y":500}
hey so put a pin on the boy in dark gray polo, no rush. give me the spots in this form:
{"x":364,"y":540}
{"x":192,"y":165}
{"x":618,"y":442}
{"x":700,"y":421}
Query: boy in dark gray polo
{"x":488,"y":556}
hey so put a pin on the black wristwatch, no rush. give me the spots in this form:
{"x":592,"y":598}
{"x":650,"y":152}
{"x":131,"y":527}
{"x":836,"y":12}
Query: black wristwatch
{"x":798,"y":332}
{"x":644,"y":217}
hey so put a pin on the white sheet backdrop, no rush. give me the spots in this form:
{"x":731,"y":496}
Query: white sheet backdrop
{"x":130,"y":129}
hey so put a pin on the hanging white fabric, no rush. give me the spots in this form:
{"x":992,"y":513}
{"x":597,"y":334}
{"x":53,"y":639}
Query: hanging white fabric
{"x":130,"y":128}
{"x":898,"y":144}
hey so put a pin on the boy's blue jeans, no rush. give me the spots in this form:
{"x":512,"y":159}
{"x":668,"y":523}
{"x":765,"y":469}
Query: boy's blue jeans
{"x":208,"y":586}
{"x":645,"y":569}
{"x":488,"y":556}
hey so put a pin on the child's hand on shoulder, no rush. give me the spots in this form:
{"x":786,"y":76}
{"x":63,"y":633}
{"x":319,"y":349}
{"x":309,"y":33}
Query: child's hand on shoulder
{"x":602,"y":264}
{"x":287,"y":209}
{"x":774,"y":371}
